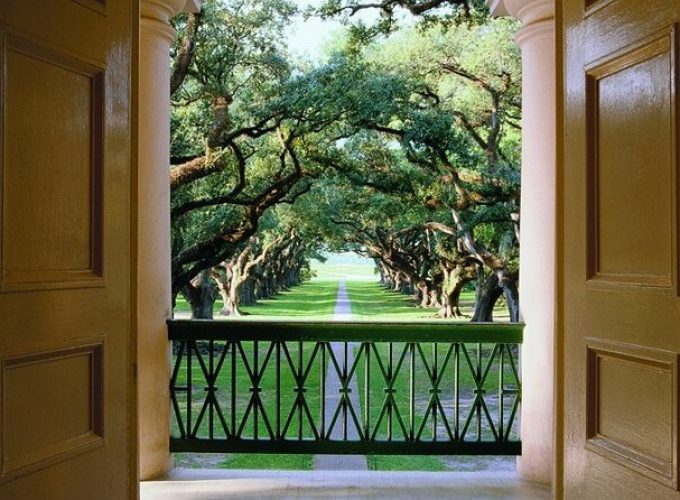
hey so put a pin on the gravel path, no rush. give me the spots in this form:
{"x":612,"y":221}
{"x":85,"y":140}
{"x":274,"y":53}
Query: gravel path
{"x":343,"y":312}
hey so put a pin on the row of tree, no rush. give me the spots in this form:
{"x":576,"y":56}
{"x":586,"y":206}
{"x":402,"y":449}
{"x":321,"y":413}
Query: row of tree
{"x":403,"y":148}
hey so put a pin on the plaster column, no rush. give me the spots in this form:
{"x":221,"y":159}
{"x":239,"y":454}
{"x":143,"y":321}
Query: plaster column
{"x":536,"y":38}
{"x":153,"y":233}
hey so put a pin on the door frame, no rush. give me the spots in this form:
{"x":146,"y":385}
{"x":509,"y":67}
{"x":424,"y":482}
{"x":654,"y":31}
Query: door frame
{"x":133,"y":404}
{"x":558,"y":367}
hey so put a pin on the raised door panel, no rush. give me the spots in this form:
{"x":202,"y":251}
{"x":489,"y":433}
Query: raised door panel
{"x":51,"y":222}
{"x":632,"y":407}
{"x":631,"y":165}
{"x":67,"y":384}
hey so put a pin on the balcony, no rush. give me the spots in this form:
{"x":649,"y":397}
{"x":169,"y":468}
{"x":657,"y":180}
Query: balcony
{"x":344,"y":388}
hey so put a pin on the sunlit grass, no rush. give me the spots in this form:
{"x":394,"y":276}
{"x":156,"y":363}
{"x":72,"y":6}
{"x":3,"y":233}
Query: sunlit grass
{"x":406,"y":463}
{"x":313,"y":300}
{"x":269,"y":461}
{"x":372,"y":302}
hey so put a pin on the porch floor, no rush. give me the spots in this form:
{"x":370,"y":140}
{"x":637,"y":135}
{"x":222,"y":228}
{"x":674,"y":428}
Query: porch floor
{"x":203,"y":484}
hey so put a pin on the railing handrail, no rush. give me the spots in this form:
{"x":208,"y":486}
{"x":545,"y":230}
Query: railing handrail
{"x":344,"y":331}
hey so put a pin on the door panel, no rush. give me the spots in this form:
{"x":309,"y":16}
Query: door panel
{"x":620,"y":301}
{"x":626,"y":94}
{"x":51,"y":221}
{"x":69,"y":383}
{"x":65,"y":270}
{"x":639,"y":436}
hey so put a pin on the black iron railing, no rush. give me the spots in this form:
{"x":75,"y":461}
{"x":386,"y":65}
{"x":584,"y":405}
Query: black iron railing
{"x":345,"y":388}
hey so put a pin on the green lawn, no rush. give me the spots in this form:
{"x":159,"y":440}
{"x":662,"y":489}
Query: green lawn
{"x":372,"y":302}
{"x":181,"y":305}
{"x":315,"y":300}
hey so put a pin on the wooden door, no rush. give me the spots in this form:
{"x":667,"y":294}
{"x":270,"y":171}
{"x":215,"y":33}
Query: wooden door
{"x":621,"y":297}
{"x":65,"y":271}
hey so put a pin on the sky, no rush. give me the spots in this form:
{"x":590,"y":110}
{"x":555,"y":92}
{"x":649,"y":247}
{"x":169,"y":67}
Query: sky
{"x":308,"y":38}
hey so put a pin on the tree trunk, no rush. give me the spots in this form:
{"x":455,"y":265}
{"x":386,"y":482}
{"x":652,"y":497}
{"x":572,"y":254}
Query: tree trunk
{"x":434,"y":298}
{"x":224,"y":293}
{"x":487,"y":297}
{"x":452,"y":286}
{"x":424,"y":295}
{"x":221,"y":275}
{"x":232,"y":304}
{"x":200,"y":295}
{"x":396,"y":279}
{"x":491,"y":291}
{"x":248,"y":293}
{"x":381,"y":272}
{"x":511,"y":295}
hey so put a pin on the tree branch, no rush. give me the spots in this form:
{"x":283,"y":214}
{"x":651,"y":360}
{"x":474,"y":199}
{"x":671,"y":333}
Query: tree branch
{"x":185,"y":54}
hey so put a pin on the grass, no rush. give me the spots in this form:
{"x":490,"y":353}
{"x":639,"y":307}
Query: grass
{"x":426,"y":463}
{"x":312,"y":300}
{"x":315,"y":300}
{"x":371,"y":301}
{"x":181,"y":305}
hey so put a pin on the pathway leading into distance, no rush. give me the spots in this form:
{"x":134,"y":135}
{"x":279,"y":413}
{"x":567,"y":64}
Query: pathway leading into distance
{"x":343,"y":312}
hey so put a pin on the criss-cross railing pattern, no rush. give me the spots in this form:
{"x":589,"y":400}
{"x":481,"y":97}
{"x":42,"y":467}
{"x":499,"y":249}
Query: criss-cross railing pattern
{"x":264,"y":387}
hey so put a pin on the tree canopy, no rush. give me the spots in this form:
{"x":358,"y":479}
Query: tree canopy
{"x":404,"y":148}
